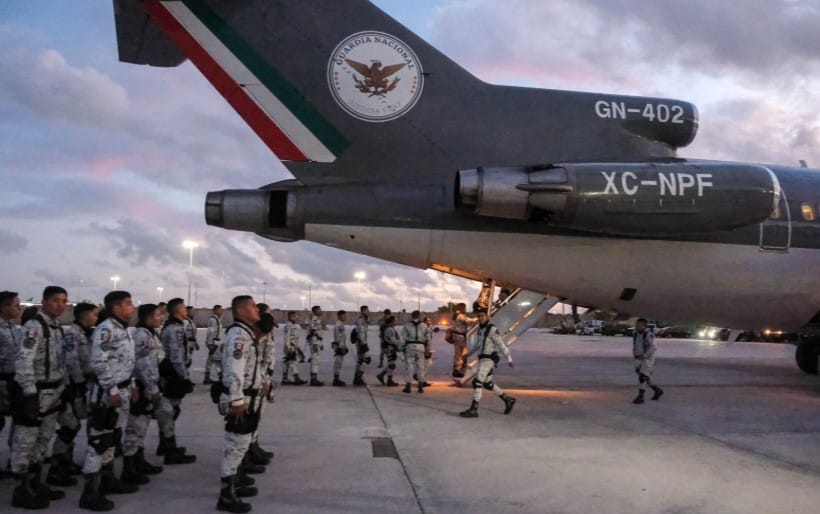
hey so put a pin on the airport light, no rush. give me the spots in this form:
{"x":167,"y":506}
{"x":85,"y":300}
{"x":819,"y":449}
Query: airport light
{"x":116,"y":280}
{"x":160,"y":289}
{"x":359,"y":276}
{"x":190,"y":245}
{"x":264,"y":292}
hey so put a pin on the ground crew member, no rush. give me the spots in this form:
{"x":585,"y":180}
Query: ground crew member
{"x":461,"y":325}
{"x":643,"y":349}
{"x":10,"y":339}
{"x":76,"y":355}
{"x":213,"y":341}
{"x":315,"y":346}
{"x":263,"y":329}
{"x":110,"y":395}
{"x":147,"y":352}
{"x":359,"y":338}
{"x":190,"y":336}
{"x":242,"y":378}
{"x":174,"y":377}
{"x":392,"y":345}
{"x":489,"y":344}
{"x":382,"y":343}
{"x":38,"y":384}
{"x":290,"y":373}
{"x":339,"y":347}
{"x":416,"y":346}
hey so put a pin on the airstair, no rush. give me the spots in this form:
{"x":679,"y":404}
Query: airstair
{"x":512,"y":316}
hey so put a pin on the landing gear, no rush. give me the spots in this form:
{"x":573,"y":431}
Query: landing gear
{"x":807,"y":354}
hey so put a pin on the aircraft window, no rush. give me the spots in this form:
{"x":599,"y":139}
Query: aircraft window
{"x":808,"y":211}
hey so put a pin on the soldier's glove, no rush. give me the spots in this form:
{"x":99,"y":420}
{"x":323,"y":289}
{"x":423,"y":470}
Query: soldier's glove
{"x":31,"y":406}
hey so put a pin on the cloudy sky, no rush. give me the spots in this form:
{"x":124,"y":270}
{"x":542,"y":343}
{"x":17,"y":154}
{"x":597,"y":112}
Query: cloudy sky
{"x":104,"y":166}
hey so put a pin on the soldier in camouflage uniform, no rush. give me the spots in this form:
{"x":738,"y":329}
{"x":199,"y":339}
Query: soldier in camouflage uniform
{"x":10,"y":339}
{"x":213,"y":341}
{"x":242,"y":378}
{"x":489,"y":345}
{"x":174,"y":379}
{"x":263,"y":330}
{"x":359,"y":338}
{"x":290,"y":373}
{"x":190,"y":336}
{"x":38,"y":384}
{"x":315,"y":346}
{"x":76,"y":354}
{"x":147,"y":354}
{"x":339,"y":346}
{"x":415,"y":348}
{"x":392,"y":345}
{"x":110,"y":395}
{"x":643,"y":350}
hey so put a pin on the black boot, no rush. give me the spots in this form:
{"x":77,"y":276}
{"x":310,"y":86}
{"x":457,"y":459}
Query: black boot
{"x":242,"y":478}
{"x":25,"y":496}
{"x":337,"y":382}
{"x":58,"y":474}
{"x":391,"y":383}
{"x":68,"y":463}
{"x":145,"y":467}
{"x":261,"y":451}
{"x":228,"y":500}
{"x":358,"y":379}
{"x":472,"y":412}
{"x":166,"y":443}
{"x":314,"y":380}
{"x":41,"y":488}
{"x":92,"y":498}
{"x":380,"y":377}
{"x":298,"y":381}
{"x":176,"y":454}
{"x":407,"y":388}
{"x":638,"y":399}
{"x":421,"y":387}
{"x":658,"y":392}
{"x":109,"y":484}
{"x":254,"y":457}
{"x":509,"y":403}
{"x":131,"y":473}
{"x":426,"y":384}
{"x":249,"y":467}
{"x":207,"y":381}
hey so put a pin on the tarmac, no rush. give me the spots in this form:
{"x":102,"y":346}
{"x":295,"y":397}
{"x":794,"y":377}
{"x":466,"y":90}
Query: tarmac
{"x":738,"y":431}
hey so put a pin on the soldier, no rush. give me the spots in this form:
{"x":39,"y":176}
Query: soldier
{"x":382,"y":343}
{"x":110,"y":395}
{"x":392,"y":345}
{"x":163,"y":310}
{"x":10,"y":338}
{"x":428,"y":354}
{"x":76,"y":355}
{"x":416,"y":346}
{"x":190,"y":336}
{"x":315,"y":346}
{"x":174,"y":378}
{"x":38,"y":384}
{"x":339,"y":347}
{"x":290,"y":373}
{"x":147,"y":354}
{"x":242,"y":378}
{"x":643,"y":349}
{"x":213,"y":340}
{"x":263,"y":330}
{"x":489,"y":344}
{"x":461,"y":325}
{"x":359,"y":338}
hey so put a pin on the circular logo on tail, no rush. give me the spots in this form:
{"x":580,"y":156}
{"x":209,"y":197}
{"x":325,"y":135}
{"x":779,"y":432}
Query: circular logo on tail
{"x":374,"y":76}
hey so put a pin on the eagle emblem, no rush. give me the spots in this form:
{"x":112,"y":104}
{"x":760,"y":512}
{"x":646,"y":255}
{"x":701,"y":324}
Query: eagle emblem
{"x":375,"y":81}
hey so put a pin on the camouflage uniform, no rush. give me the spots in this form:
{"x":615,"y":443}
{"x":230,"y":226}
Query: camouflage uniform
{"x":39,"y":372}
{"x":392,"y":346}
{"x":175,"y":347}
{"x":213,"y":342}
{"x":461,"y":325}
{"x":489,"y":345}
{"x":643,"y":349}
{"x":190,"y":340}
{"x":76,"y":354}
{"x":242,"y":373}
{"x":415,"y":341}
{"x":10,"y":339}
{"x":359,"y":338}
{"x":339,"y":347}
{"x":112,"y":361}
{"x":268,"y":362}
{"x":148,"y":354}
{"x":315,"y":346}
{"x":291,"y":351}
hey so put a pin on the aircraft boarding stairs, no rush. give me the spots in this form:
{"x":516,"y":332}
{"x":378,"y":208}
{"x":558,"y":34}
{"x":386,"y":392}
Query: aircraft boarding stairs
{"x":512,"y":316}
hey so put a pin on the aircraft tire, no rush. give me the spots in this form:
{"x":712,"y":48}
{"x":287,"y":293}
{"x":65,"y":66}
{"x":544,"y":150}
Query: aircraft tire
{"x":806,"y":355}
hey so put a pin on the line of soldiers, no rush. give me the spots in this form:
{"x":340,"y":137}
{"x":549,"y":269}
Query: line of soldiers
{"x":53,"y":378}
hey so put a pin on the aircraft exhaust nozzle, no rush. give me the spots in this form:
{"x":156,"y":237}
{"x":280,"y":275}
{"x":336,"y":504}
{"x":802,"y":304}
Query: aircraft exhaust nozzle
{"x":635,"y":199}
{"x":271,"y":213}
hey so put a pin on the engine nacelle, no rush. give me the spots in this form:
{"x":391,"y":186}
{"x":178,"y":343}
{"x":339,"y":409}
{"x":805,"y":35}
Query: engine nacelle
{"x":272,"y":213}
{"x":645,"y":199}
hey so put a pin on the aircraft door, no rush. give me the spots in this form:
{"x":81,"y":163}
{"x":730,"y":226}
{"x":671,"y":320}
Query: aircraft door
{"x":776,"y":231}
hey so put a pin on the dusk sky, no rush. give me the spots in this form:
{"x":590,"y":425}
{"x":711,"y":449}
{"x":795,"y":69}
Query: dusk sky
{"x":104,"y":166}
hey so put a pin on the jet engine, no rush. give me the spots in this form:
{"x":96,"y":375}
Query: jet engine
{"x":639,"y":199}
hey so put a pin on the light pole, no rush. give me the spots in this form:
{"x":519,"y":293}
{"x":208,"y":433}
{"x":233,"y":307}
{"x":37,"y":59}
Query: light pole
{"x":160,"y":293}
{"x":304,"y":307}
{"x":116,"y":280}
{"x":264,"y":292}
{"x":190,"y":245}
{"x":359,"y":276}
